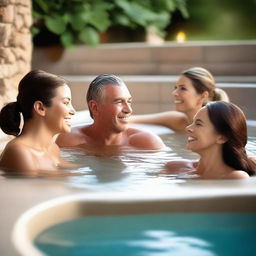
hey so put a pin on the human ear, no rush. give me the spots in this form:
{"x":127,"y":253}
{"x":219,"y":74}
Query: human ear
{"x":222,"y":139}
{"x":93,"y":106}
{"x":205,"y":96}
{"x":39,"y":108}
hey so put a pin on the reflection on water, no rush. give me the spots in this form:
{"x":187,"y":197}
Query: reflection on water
{"x":140,"y":169}
{"x":251,"y":145}
{"x":152,"y":235}
{"x":132,"y":169}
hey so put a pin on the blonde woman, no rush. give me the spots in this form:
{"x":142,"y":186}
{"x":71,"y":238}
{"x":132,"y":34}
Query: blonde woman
{"x":194,"y":88}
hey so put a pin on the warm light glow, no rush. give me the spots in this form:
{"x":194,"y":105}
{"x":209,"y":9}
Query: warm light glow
{"x":181,"y":37}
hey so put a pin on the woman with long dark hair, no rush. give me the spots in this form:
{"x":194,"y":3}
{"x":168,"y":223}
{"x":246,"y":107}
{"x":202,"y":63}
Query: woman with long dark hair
{"x":44,"y":103}
{"x":218,"y":134}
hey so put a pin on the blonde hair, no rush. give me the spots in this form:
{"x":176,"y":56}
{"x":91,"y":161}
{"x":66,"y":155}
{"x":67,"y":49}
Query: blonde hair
{"x":220,"y":95}
{"x":202,"y":81}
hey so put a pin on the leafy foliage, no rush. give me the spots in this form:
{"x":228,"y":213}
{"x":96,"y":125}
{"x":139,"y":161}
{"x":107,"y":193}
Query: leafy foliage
{"x":82,"y":21}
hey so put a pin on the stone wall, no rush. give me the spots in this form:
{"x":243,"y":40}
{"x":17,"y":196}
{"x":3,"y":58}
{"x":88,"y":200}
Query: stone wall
{"x":15,"y":46}
{"x":15,"y":49}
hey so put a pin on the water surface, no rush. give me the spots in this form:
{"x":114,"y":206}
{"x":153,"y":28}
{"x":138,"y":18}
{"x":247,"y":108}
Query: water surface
{"x":153,"y":235}
{"x":134,"y":169}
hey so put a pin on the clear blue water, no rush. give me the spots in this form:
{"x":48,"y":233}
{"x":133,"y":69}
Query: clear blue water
{"x":153,"y":235}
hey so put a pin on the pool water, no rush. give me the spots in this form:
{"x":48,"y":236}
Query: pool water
{"x":133,"y":169}
{"x":193,"y":234}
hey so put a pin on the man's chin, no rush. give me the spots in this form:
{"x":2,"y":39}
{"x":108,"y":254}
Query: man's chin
{"x":121,"y":128}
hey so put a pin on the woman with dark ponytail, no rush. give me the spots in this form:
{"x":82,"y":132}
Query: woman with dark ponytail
{"x":219,"y":135}
{"x":44,"y":105}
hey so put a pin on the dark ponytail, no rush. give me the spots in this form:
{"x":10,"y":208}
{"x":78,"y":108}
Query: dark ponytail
{"x":35,"y":85}
{"x":10,"y":119}
{"x":229,"y":120}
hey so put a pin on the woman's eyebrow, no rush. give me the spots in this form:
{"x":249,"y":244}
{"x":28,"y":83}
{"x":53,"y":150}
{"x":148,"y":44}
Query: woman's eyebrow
{"x":199,"y":120}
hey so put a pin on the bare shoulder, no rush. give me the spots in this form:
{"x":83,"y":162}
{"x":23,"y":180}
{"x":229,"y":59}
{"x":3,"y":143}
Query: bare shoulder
{"x":71,"y":139}
{"x":238,"y":174}
{"x":17,"y":157}
{"x":14,"y":146}
{"x":143,"y":139}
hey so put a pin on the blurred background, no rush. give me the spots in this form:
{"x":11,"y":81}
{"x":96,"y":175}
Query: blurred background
{"x":97,"y":21}
{"x":216,"y":20}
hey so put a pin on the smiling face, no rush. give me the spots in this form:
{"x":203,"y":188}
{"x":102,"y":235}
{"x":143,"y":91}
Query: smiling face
{"x":186,"y":98}
{"x":114,"y":109}
{"x":201,"y":133}
{"x":58,"y":115}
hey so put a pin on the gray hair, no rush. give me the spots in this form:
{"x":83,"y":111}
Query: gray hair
{"x":96,"y":87}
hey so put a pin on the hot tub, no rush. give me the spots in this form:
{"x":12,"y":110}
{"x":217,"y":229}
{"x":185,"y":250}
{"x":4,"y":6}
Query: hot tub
{"x":196,"y":200}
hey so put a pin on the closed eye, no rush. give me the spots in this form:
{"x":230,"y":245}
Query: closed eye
{"x":180,"y":87}
{"x":183,"y":88}
{"x":198,"y":122}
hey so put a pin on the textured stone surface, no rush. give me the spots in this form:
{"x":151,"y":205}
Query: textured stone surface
{"x":15,"y":47}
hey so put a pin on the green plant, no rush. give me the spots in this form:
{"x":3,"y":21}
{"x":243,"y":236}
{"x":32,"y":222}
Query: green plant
{"x":82,"y":21}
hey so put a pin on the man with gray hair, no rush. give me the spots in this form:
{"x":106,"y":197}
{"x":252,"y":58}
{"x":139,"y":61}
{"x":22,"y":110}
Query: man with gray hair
{"x":109,"y":102}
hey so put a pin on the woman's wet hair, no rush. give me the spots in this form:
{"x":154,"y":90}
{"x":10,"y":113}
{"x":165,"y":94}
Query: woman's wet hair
{"x":96,"y":86}
{"x":229,"y":121}
{"x":37,"y":85}
{"x":202,"y":81}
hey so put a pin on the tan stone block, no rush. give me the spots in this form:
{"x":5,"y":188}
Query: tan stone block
{"x":7,"y":14}
{"x":22,"y":66}
{"x":20,"y":40}
{"x":5,"y":34}
{"x":22,"y":2}
{"x":20,"y":54}
{"x":28,"y":21}
{"x":8,"y":70}
{"x":4,"y":71}
{"x":7,"y":55}
{"x":2,"y":86}
{"x":5,"y":2}
{"x":19,"y":22}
